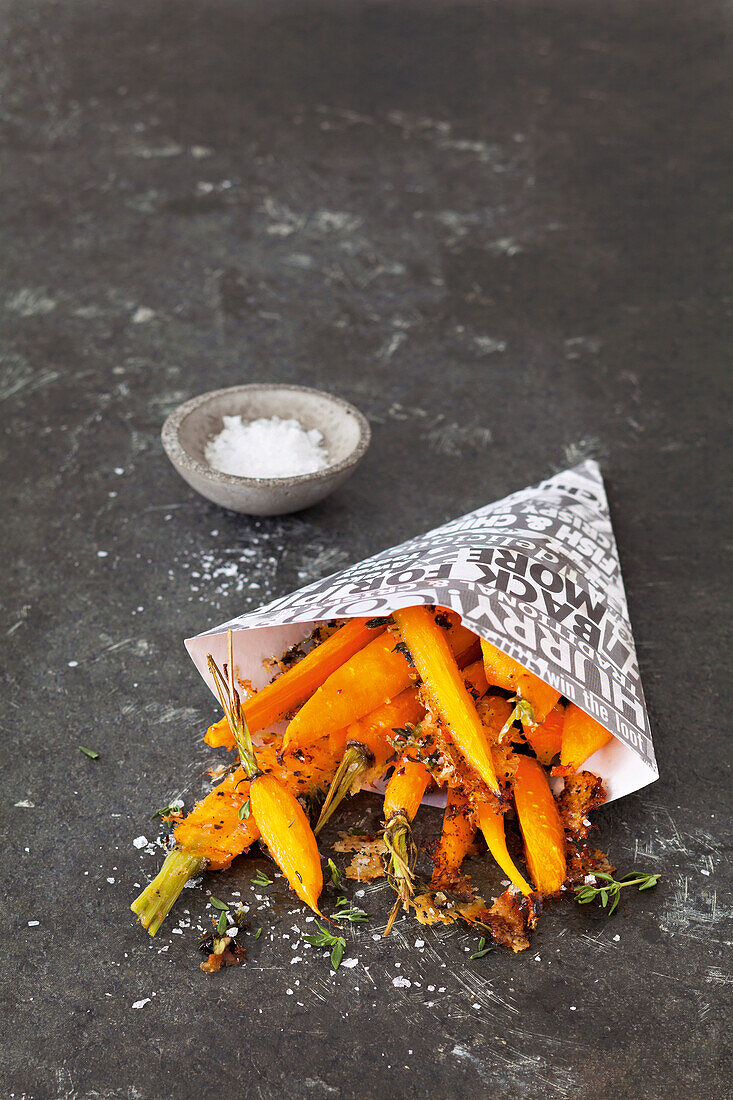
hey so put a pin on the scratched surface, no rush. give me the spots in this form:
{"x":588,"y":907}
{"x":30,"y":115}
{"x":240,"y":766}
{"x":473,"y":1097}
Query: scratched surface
{"x":500,"y":230}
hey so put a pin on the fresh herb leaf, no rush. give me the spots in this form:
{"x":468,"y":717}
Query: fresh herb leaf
{"x":258,"y":933}
{"x":335,"y":873}
{"x":371,"y":624}
{"x":218,"y":904}
{"x":352,"y":913}
{"x":261,"y":879}
{"x":89,"y":752}
{"x":610,"y":888}
{"x":166,"y":811}
{"x":221,"y":926}
{"x":322,"y":938}
{"x":338,"y":953}
{"x":482,"y":949}
{"x":244,"y":810}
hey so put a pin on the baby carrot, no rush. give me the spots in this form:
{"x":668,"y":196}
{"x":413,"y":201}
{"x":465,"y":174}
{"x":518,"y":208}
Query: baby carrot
{"x":405,"y":789}
{"x":287,"y":833}
{"x":401,"y":801}
{"x":277,"y":813}
{"x":444,"y":683}
{"x":504,"y":672}
{"x":541,"y":825}
{"x":269,"y":705}
{"x":370,"y":678}
{"x":492,"y":826}
{"x":581,"y":737}
{"x":222,"y":826}
{"x":455,"y":839}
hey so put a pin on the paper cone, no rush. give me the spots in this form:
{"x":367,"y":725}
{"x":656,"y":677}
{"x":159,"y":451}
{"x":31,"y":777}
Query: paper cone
{"x":537,"y":574}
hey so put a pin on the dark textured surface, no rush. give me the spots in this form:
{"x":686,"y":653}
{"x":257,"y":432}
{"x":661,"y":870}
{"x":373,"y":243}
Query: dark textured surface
{"x":500,"y":230}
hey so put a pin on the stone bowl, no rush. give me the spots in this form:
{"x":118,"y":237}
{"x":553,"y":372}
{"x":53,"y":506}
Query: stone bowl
{"x":189,"y":428}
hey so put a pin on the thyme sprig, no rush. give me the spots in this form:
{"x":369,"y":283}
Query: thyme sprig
{"x":170,"y":810}
{"x":89,"y":752}
{"x":348,"y":912}
{"x":610,"y":890}
{"x":261,"y":879}
{"x":324,"y":938}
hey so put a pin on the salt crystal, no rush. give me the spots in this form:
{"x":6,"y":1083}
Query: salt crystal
{"x":140,"y":842}
{"x":142,"y":1003}
{"x":268,"y":447}
{"x":33,"y":923}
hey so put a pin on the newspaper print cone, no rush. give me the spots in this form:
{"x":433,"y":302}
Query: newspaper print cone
{"x":537,"y":574}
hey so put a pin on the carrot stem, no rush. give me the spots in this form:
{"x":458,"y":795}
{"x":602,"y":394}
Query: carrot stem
{"x":155,"y":902}
{"x":357,"y":761}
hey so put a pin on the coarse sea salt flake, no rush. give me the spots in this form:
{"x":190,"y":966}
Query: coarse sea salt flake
{"x":267,"y":447}
{"x":140,"y":842}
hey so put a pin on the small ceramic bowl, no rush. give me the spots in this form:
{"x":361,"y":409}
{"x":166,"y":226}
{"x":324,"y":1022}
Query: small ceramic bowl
{"x":189,"y":428}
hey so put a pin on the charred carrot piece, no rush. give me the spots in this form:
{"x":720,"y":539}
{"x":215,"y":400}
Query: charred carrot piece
{"x":288,"y":691}
{"x":545,"y":740}
{"x":541,"y":825}
{"x":367,"y":748}
{"x":504,"y":672}
{"x":455,"y":839}
{"x":366,"y":681}
{"x":444,"y":683}
{"x":581,"y":737}
{"x":401,"y":801}
{"x":474,"y":677}
{"x":491,"y":821}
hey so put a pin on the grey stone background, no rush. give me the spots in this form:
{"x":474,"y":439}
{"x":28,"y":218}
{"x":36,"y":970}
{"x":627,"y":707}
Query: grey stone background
{"x":501,"y":229}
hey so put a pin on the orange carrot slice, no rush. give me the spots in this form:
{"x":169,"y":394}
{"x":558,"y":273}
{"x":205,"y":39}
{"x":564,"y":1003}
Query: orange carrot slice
{"x":504,"y":672}
{"x":542,"y":829}
{"x":581,"y":737}
{"x":492,"y":826}
{"x":444,"y":683}
{"x":285,"y":693}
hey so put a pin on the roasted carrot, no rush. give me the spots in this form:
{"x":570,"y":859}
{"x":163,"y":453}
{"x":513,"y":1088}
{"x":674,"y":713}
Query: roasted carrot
{"x":455,"y":839}
{"x":405,"y":789}
{"x":367,"y":748}
{"x":276,"y":699}
{"x":491,"y":821}
{"x":277,"y":813}
{"x":581,"y":737}
{"x":370,"y":678}
{"x":542,"y":829}
{"x":217,"y":830}
{"x":444,"y":683}
{"x":545,"y":740}
{"x":287,"y":833}
{"x":504,"y":672}
{"x":474,"y":677}
{"x":401,"y":801}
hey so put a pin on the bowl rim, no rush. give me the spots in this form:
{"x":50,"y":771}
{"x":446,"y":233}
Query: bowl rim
{"x":178,"y":454}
